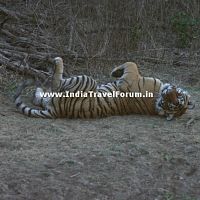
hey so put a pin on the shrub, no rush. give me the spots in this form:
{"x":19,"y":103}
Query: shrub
{"x":186,"y":28}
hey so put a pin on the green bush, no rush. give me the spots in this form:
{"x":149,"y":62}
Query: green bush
{"x":186,"y":28}
{"x":136,"y":32}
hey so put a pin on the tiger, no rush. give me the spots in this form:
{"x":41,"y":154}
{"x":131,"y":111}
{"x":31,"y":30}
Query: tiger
{"x":168,"y":100}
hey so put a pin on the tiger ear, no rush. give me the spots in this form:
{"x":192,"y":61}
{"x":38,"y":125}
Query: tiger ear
{"x":191,"y":105}
{"x":117,"y":72}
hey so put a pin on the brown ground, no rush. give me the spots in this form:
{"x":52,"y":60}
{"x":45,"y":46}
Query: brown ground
{"x":120,"y":158}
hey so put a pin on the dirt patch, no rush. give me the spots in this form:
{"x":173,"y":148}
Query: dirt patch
{"x":120,"y":157}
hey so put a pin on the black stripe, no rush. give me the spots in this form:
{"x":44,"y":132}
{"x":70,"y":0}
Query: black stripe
{"x":71,"y":84}
{"x":123,"y":105}
{"x":136,"y":103}
{"x":116,"y":104}
{"x":82,"y":82}
{"x":99,"y":103}
{"x":19,"y":104}
{"x":59,"y":105}
{"x":126,"y":105}
{"x":29,"y":112}
{"x":52,"y":115}
{"x":70,"y":81}
{"x":139,"y":85}
{"x":62,"y":88}
{"x":108,"y":88}
{"x":91,"y":109}
{"x":103,"y":90}
{"x":143,"y":81}
{"x":81,"y":105}
{"x":73,"y":107}
{"x":115,"y":86}
{"x":98,"y":112}
{"x":41,"y":112}
{"x":160,"y":85}
{"x":147,"y":109}
{"x":142,"y":96}
{"x":154,"y":86}
{"x":71,"y":87}
{"x":113,"y":98}
{"x":52,"y":101}
{"x":24,"y":108}
{"x":78,"y":85}
{"x":37,"y":114}
{"x":94,"y":85}
{"x":69,"y":107}
{"x":139,"y":104}
{"x":120,"y":105}
{"x":42,"y":99}
{"x":109,"y":104}
{"x":149,"y":112}
{"x":87,"y":84}
{"x":84,"y":85}
{"x":130,"y":103}
{"x":66,"y":103}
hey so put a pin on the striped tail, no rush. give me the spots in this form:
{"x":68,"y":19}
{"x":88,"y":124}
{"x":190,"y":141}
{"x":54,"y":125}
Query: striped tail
{"x":26,"y":110}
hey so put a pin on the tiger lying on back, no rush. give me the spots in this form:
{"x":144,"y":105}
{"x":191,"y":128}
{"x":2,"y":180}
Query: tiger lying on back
{"x":168,"y":100}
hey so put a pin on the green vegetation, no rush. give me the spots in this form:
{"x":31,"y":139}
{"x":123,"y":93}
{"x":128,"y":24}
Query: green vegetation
{"x":186,"y":27}
{"x":169,"y":196}
{"x":136,"y":34}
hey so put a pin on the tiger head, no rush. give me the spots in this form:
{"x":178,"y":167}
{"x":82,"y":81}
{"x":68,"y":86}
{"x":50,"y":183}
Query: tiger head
{"x":173,"y":101}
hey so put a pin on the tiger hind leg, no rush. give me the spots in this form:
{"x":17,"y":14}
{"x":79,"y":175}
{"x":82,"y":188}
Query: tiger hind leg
{"x":58,"y":73}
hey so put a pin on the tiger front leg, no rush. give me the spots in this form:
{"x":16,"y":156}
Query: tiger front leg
{"x":161,"y":112}
{"x":39,"y":99}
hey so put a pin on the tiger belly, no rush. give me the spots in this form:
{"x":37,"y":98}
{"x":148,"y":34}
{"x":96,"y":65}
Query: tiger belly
{"x":95,"y":107}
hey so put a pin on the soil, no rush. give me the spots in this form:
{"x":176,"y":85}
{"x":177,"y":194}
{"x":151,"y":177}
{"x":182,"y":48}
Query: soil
{"x":115,"y":158}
